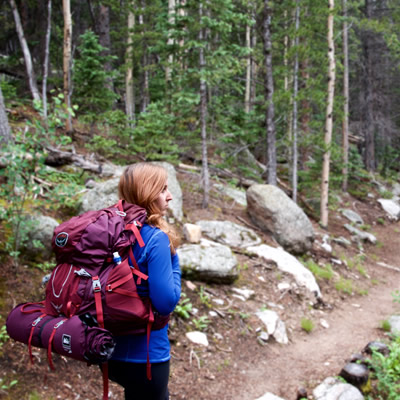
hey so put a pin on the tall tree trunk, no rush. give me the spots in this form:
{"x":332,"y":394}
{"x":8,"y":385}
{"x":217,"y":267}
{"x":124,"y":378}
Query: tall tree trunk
{"x":27,"y":55}
{"x":170,"y":42}
{"x":269,"y":94}
{"x":253,"y":66}
{"x":144,"y":95}
{"x":328,"y":118}
{"x":248,"y":72}
{"x":203,"y":115}
{"x":5,"y":131}
{"x":46,"y":61}
{"x":345,"y":124}
{"x":295,"y":116}
{"x":129,"y":86}
{"x":67,"y":59}
{"x":367,"y":90}
{"x":103,"y":29}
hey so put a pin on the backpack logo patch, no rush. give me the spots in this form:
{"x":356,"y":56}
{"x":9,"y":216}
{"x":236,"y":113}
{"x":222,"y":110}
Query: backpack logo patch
{"x":61,"y":239}
{"x":66,"y":343}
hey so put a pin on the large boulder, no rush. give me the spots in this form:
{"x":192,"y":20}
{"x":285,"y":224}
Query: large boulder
{"x":229,"y":233}
{"x":105,"y":194}
{"x":208,"y":262}
{"x":274,"y":212}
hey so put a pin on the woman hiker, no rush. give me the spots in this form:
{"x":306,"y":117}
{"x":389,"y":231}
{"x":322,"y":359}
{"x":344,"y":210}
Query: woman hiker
{"x":146,"y":185}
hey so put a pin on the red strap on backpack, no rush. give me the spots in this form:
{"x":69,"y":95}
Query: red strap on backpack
{"x":100,"y":321}
{"x":49,"y":357}
{"x":34,"y":323}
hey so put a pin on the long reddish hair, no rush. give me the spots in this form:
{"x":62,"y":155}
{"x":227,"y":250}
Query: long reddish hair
{"x":142,"y":184}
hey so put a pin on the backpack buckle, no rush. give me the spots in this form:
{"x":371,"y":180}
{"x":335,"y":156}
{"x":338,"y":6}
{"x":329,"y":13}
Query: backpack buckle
{"x":36,"y":321}
{"x":96,"y":284}
{"x":137,"y":224}
{"x":58,"y":324}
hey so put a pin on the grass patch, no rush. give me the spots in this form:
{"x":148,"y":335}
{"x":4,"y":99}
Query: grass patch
{"x":307,"y":325}
{"x":344,"y":286}
{"x":325,"y":272}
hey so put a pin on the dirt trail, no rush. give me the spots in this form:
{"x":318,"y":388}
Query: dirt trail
{"x":308,"y":359}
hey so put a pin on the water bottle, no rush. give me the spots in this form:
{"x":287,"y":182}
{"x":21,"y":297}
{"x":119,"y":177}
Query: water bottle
{"x":117,"y":258}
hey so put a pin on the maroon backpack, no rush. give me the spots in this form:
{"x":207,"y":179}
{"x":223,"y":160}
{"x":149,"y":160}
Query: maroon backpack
{"x":91,"y":278}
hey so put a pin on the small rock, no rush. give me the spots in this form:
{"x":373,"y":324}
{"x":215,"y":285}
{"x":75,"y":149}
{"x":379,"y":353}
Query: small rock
{"x":263,"y":336}
{"x":356,"y":374}
{"x":377,"y":346}
{"x":269,"y":396}
{"x":324,"y":323}
{"x":246,"y":293}
{"x":192,"y":233}
{"x":197,"y":338}
{"x":190,"y":285}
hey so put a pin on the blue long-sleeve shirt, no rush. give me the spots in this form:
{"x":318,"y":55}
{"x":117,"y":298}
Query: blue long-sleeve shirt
{"x":164,"y":289}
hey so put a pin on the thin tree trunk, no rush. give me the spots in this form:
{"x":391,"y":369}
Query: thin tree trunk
{"x":130,"y":91}
{"x":145,"y":76}
{"x":46,"y":61}
{"x":367,"y":112}
{"x":5,"y":131}
{"x":328,"y":119}
{"x":253,"y":66}
{"x":67,"y":59}
{"x":27,"y":55}
{"x":170,"y":42}
{"x":103,"y":28}
{"x":248,"y":72}
{"x":295,"y":116}
{"x":345,"y":125}
{"x":269,"y":94}
{"x":203,"y":116}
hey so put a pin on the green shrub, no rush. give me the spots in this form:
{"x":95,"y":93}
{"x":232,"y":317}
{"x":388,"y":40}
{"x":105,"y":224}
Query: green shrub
{"x":386,"y":372}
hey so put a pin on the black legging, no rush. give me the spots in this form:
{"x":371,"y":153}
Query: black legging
{"x":132,"y":377}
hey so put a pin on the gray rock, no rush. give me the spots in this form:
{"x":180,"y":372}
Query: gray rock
{"x":197,"y":338}
{"x":356,"y":374}
{"x":229,"y":233}
{"x":269,"y":396}
{"x":377,"y":346}
{"x":391,"y":207}
{"x":275,"y":326}
{"x":274,"y":212}
{"x":289,"y":264}
{"x":333,"y":389}
{"x":352,"y":216}
{"x":174,"y":187}
{"x":42,"y":230}
{"x":361,"y":235}
{"x":103,"y":194}
{"x":342,"y":241}
{"x":236,"y":194}
{"x":208,"y":261}
{"x":394,"y":322}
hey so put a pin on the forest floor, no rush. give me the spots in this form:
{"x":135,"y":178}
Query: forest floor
{"x":236,"y":365}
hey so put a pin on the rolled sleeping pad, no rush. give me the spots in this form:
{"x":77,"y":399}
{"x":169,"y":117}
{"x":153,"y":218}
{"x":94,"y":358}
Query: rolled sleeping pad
{"x":75,"y":337}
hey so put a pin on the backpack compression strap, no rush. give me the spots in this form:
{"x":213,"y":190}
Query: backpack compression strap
{"x":100,"y":321}
{"x":56,"y":326}
{"x":34,"y":323}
